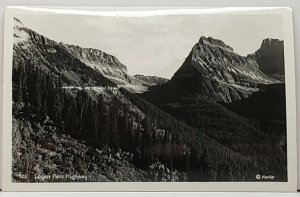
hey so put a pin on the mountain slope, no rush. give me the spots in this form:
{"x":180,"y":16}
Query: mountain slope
{"x":268,"y":103}
{"x":49,"y":56}
{"x":151,"y":80}
{"x":77,"y":66}
{"x":220,"y":130}
{"x":47,"y":151}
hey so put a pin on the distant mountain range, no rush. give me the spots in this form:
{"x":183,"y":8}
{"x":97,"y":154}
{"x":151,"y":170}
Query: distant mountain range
{"x":212,"y":68}
{"x":201,"y":125}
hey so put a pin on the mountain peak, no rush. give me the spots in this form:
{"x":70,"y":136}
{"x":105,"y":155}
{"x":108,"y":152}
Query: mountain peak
{"x":215,"y":71}
{"x":270,"y":41}
{"x":214,"y":42}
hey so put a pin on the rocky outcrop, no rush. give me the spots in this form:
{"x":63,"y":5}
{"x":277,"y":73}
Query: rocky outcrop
{"x":270,"y":57}
{"x":96,"y":56}
{"x":107,"y":64}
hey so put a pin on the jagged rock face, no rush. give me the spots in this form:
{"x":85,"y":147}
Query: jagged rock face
{"x":107,"y":64}
{"x":270,"y":57}
{"x":215,"y":71}
{"x":151,"y":80}
{"x":96,"y":56}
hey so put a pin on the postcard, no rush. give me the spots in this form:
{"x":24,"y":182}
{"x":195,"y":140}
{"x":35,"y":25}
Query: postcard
{"x":149,"y":99}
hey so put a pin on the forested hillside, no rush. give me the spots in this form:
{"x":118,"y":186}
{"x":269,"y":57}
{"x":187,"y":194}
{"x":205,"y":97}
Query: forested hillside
{"x":104,"y":120}
{"x":99,"y":120}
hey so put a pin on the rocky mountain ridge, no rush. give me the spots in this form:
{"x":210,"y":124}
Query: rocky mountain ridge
{"x":217,"y":72}
{"x":76,"y":61}
{"x":50,"y":56}
{"x":107,"y":64}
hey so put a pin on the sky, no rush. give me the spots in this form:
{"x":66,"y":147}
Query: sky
{"x":156,"y":45}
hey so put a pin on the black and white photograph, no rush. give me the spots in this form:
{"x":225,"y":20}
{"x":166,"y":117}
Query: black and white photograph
{"x":148,"y":98}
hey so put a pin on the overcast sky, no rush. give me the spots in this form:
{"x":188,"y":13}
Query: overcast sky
{"x":156,"y":45}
